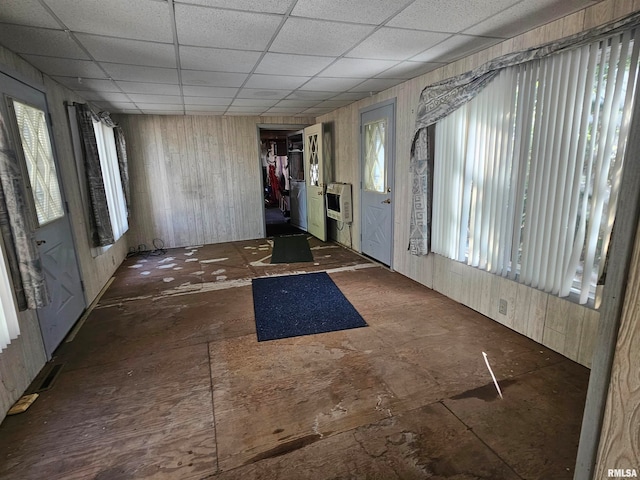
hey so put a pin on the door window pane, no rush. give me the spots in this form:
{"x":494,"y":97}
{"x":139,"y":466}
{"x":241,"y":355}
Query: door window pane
{"x":38,"y":155}
{"x":375,"y":159}
{"x":314,"y":173}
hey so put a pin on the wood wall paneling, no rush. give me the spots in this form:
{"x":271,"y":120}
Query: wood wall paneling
{"x":620,"y":437}
{"x":432,"y":270}
{"x":196,"y":179}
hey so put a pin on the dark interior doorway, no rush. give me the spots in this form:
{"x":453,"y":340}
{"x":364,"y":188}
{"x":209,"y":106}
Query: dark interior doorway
{"x":277,"y":159}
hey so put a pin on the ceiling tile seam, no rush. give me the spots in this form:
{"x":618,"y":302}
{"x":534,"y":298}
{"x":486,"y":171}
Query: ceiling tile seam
{"x":82,"y":47}
{"x":497,"y":13}
{"x":176,"y":48}
{"x":265,"y":50}
{"x":378,"y":27}
{"x":227,"y":9}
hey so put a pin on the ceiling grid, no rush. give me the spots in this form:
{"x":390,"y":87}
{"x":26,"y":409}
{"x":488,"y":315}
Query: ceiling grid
{"x":254,"y":57}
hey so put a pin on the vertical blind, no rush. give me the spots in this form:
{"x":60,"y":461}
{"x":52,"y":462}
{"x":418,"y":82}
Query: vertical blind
{"x":9,"y":327}
{"x":527,"y":174}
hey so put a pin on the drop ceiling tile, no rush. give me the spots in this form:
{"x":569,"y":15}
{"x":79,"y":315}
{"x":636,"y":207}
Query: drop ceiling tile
{"x":132,"y":52}
{"x":104,"y":96}
{"x":278,"y":82}
{"x":358,"y":67}
{"x":141,"y":20}
{"x":395,"y":44}
{"x":87,"y":84}
{"x":136,"y":73}
{"x":218,"y":92}
{"x":204,"y":109}
{"x":40,"y":41}
{"x":300,"y":104}
{"x":451,"y":16}
{"x":160,"y":106}
{"x":162,"y":112}
{"x":353,"y":96}
{"x":333,"y":104}
{"x":192,"y":102}
{"x":200,"y":26}
{"x":150,"y":88}
{"x":218,"y":59}
{"x":253,"y":102}
{"x":318,"y":37}
{"x":318,"y":111}
{"x":141,"y":98}
{"x":455,"y":47}
{"x":376,"y":85}
{"x":65,"y":67}
{"x":264,"y":94}
{"x":407,"y":70}
{"x":26,"y":12}
{"x":524,"y":16}
{"x":266,"y":6}
{"x":327,"y":84}
{"x":284,"y":110}
{"x":288,"y":64}
{"x":372,"y":12}
{"x":213,"y":79}
{"x":247,"y":110}
{"x":310,"y":95}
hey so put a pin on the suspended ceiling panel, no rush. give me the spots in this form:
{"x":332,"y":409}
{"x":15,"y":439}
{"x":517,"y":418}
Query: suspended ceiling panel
{"x":254,"y":57}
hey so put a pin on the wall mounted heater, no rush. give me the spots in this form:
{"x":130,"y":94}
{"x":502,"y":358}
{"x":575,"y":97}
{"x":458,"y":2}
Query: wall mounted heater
{"x":339,"y":206}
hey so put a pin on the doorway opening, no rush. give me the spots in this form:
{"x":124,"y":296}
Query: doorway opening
{"x":283,"y":187}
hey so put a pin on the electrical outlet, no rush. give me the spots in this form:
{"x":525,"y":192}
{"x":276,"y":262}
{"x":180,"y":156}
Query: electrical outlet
{"x":502,"y":308}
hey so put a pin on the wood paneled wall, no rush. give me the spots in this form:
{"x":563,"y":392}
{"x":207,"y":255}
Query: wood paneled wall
{"x":195,"y":179}
{"x":559,"y":324}
{"x":25,"y":356}
{"x":620,"y":437}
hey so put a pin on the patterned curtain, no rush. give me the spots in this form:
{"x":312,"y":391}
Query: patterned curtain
{"x":21,"y":252}
{"x":100,"y":222}
{"x":121,"y":151}
{"x":442,"y":98}
{"x":123,"y":164}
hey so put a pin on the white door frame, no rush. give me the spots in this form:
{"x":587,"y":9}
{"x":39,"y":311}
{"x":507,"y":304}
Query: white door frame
{"x":270,"y":126}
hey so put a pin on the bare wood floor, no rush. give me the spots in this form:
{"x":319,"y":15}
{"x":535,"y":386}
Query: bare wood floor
{"x":166,"y":380}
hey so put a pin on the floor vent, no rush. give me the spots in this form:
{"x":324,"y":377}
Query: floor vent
{"x":50,"y":378}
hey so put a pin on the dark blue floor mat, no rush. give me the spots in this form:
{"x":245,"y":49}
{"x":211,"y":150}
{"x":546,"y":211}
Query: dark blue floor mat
{"x":295,"y":305}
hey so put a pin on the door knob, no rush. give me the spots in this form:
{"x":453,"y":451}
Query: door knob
{"x":388,"y":200}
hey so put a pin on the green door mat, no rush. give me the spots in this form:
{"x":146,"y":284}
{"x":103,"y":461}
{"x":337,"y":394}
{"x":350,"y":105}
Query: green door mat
{"x":291,"y":249}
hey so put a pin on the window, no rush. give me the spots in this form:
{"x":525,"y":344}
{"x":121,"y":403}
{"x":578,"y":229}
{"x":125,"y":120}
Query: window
{"x":38,"y":156}
{"x":111,"y":176}
{"x":527,"y":174}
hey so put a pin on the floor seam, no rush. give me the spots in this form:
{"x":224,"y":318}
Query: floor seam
{"x":469,"y":428}
{"x":213,"y":411}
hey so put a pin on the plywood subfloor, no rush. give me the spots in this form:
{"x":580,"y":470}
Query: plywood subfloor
{"x":166,"y":380}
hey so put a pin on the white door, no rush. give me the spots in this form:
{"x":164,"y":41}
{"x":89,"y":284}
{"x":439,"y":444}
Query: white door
{"x":298,"y":197}
{"x":26,"y":109}
{"x":377,"y":129}
{"x":315,"y":181}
